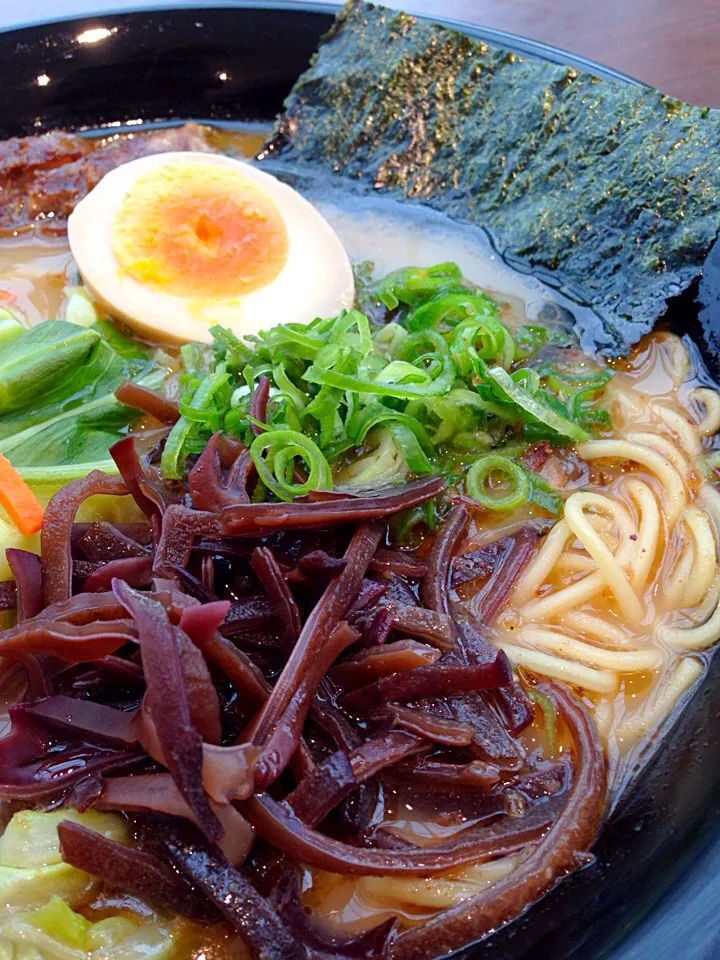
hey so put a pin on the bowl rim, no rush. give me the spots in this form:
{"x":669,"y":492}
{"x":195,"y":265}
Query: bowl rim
{"x":503,"y":38}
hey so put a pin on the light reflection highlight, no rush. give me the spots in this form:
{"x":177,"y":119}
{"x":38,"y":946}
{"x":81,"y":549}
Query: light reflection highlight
{"x":43,"y":80}
{"x":94,"y":34}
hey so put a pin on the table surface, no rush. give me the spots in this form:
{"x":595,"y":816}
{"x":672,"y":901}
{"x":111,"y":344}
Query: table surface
{"x":671,"y":44}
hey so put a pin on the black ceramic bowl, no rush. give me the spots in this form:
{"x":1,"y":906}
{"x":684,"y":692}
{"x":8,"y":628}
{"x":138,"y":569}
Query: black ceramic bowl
{"x":653,"y":891}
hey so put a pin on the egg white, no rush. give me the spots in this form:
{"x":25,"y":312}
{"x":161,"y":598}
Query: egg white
{"x":316,"y":280}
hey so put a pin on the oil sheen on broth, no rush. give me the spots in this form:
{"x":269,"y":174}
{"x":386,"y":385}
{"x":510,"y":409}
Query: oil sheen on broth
{"x":621,"y":600}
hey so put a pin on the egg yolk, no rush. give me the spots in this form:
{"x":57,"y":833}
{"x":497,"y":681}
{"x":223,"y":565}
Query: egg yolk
{"x":201,"y":231}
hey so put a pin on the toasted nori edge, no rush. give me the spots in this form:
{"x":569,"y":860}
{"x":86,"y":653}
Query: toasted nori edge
{"x":608,"y":189}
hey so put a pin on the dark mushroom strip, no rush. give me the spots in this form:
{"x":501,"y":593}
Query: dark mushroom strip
{"x":318,"y":628}
{"x":192,"y":585}
{"x":87,"y":719}
{"x":487,"y":603}
{"x":514,"y":706}
{"x":280,"y":742}
{"x":428,"y":681}
{"x":286,"y":609}
{"x":84,"y":609}
{"x":334,"y":779}
{"x":258,"y":404}
{"x":436,"y":582}
{"x":55,"y":538}
{"x":167,"y":703}
{"x":375,"y":662}
{"x":8,"y":595}
{"x":369,"y":593}
{"x":201,"y":694}
{"x":143,"y":493}
{"x":35,"y":765}
{"x":149,"y":400}
{"x":137,"y":571}
{"x":26,"y":567}
{"x":323,"y":788}
{"x":473,"y":645}
{"x":39,"y":683}
{"x":258,"y":519}
{"x":200,"y":623}
{"x":255,"y":613}
{"x":208,"y":488}
{"x":132,"y":871}
{"x":279,"y":825}
{"x":402,"y":563}
{"x":450,"y":733}
{"x":180,"y":526}
{"x":123,"y":671}
{"x":491,"y":741}
{"x":437,"y":776}
{"x":434,"y":628}
{"x":316,"y":564}
{"x":104,"y":541}
{"x":74,"y":643}
{"x":385,"y":751}
{"x":480,"y":563}
{"x":231,"y":892}
{"x":157,"y":793}
{"x":374,"y":625}
{"x":557,"y":853}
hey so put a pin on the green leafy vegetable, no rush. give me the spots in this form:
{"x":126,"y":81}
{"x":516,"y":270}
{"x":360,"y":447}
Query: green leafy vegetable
{"x":10,"y":327}
{"x":40,"y":359}
{"x":57,"y":384}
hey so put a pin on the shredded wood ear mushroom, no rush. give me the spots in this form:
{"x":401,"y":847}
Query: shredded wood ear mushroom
{"x":340,"y":674}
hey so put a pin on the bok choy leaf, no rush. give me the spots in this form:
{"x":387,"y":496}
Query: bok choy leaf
{"x":57,"y":394}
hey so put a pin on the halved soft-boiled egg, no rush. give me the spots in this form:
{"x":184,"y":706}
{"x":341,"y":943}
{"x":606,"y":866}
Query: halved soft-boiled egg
{"x":176,"y":242}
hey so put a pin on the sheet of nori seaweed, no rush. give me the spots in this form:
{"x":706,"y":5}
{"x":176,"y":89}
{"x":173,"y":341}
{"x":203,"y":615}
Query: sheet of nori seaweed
{"x":611,"y":187}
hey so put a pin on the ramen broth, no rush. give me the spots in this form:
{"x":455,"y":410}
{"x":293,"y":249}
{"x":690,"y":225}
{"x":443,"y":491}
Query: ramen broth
{"x":632,"y":660}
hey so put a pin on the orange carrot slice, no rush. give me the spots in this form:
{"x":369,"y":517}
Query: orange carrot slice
{"x":23,"y":507}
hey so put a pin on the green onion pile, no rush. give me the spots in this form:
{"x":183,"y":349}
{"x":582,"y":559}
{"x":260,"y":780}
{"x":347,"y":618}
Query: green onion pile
{"x":436,"y":383}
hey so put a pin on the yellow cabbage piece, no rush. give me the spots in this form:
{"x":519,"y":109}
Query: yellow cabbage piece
{"x":56,"y":932}
{"x":31,"y":838}
{"x":101,"y":507}
{"x":31,"y":868}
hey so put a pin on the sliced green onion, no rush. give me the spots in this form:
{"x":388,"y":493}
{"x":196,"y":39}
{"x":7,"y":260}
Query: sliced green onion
{"x":172,"y":462}
{"x":274,"y":454}
{"x":342,"y":332}
{"x":428,"y":386}
{"x":287,"y":387}
{"x":450,"y":309}
{"x":544,"y":496}
{"x":413,"y":284}
{"x":389,"y":338}
{"x":417,"y":455}
{"x":530,"y":404}
{"x":407,"y":444}
{"x":515,"y":477}
{"x":381,"y":465}
{"x":549,"y":715}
